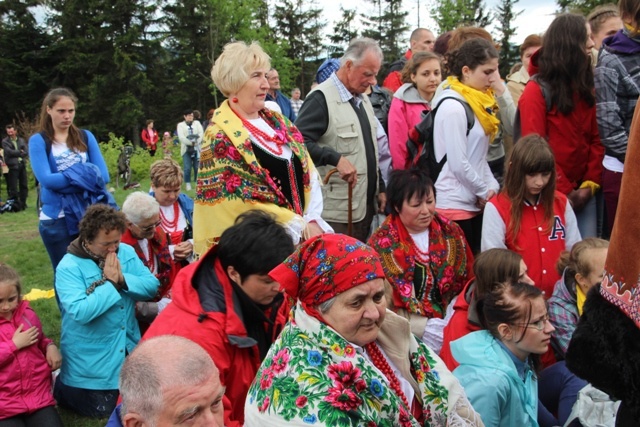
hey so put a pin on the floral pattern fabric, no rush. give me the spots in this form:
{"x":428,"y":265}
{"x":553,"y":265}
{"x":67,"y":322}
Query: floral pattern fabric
{"x":313,"y":376}
{"x":449,"y":267}
{"x":232,"y":181}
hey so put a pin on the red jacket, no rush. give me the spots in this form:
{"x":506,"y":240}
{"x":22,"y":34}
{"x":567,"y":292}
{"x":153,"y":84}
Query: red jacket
{"x":25,"y":376}
{"x":539,"y":248}
{"x":393,"y":81}
{"x":459,"y":325}
{"x":574,"y":138}
{"x":150,"y":141}
{"x":218,"y":329}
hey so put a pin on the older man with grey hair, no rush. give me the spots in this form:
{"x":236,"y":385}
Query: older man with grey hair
{"x":150,"y":242}
{"x":166,"y":381}
{"x":339,"y":128}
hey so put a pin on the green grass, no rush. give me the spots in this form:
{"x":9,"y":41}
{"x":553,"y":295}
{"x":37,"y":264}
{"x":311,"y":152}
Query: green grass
{"x":22,"y":248}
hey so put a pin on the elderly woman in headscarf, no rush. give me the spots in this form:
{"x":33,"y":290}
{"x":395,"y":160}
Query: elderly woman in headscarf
{"x":343,"y":359}
{"x":252,"y":157}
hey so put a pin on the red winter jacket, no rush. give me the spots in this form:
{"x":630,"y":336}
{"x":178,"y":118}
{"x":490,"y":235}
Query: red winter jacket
{"x":459,"y":325}
{"x":150,"y":140}
{"x":218,"y":329}
{"x":25,"y":376}
{"x":574,"y":138}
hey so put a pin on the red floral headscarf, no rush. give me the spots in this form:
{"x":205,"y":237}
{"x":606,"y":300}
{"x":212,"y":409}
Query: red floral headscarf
{"x":325,"y":266}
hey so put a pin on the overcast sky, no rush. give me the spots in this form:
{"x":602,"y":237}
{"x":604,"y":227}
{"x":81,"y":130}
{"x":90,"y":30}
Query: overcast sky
{"x":536,"y":16}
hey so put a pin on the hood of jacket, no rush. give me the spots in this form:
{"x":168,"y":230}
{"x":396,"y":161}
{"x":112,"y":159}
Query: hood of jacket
{"x":565,"y":289}
{"x":533,"y":64}
{"x":480,"y":348}
{"x":620,"y":42}
{"x":409,"y":94}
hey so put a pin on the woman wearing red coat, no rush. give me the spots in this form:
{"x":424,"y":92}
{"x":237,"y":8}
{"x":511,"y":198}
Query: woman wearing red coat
{"x":562,"y":69}
{"x":150,"y":137}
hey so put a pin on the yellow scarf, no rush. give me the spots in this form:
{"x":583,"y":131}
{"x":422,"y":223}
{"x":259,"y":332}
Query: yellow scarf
{"x":483,"y":104}
{"x":580,"y":299}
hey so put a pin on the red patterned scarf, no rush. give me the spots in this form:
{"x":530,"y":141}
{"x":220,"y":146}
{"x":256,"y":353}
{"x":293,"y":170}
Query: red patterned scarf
{"x":448,"y":269}
{"x":158,"y":248}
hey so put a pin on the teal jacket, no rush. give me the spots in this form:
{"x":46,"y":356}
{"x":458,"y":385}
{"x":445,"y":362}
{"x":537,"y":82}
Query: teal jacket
{"x":99,"y":329}
{"x":489,"y":376}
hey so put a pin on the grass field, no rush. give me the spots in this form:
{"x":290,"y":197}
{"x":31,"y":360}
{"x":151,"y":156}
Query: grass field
{"x":22,"y":248}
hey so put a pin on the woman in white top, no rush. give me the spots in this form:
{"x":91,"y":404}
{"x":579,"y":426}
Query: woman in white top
{"x":466,"y":182}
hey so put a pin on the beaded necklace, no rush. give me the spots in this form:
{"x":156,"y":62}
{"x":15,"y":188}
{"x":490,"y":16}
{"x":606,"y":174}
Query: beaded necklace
{"x":171,"y":225}
{"x":259,"y":134}
{"x":380,"y":362}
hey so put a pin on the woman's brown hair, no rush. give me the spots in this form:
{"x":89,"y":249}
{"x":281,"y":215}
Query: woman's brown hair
{"x":412,"y":65}
{"x":531,"y":154}
{"x":75,"y":141}
{"x":495,"y":266}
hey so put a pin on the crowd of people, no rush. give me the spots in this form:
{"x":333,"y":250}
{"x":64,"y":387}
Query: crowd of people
{"x":324,"y":276}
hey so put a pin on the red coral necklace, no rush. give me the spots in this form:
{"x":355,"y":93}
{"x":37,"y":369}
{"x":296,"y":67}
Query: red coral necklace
{"x":380,"y":362}
{"x":264,"y":137}
{"x":167,"y":225}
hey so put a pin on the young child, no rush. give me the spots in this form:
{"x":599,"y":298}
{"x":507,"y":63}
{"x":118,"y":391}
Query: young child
{"x":27,"y":358}
{"x":166,"y":145}
{"x":580,"y":270}
{"x":529,"y":216}
{"x":498,"y":365}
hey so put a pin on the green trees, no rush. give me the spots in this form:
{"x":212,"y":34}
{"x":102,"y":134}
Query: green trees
{"x":450,"y":14}
{"x":580,"y":6}
{"x":388,"y":25}
{"x":508,"y":53}
{"x":344,"y":30}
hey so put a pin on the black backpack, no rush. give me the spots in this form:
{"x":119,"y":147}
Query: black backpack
{"x":381,"y":102}
{"x":420,"y":146}
{"x":517,"y":123}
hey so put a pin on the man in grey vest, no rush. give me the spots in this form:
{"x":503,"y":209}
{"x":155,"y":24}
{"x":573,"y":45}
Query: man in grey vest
{"x":339,"y":128}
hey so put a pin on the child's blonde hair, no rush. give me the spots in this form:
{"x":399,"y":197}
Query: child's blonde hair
{"x":9,"y":276}
{"x":576,"y":261}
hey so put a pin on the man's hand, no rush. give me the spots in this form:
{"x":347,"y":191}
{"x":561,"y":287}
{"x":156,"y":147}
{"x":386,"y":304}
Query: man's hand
{"x":182,"y":251}
{"x":347,"y":171}
{"x":112,"y":270}
{"x":312,"y":229}
{"x":25,"y":339}
{"x":382,"y":202}
{"x":579,"y":198}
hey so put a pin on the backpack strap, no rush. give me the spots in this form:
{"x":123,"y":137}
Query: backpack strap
{"x":546,"y":94}
{"x":48,"y":143}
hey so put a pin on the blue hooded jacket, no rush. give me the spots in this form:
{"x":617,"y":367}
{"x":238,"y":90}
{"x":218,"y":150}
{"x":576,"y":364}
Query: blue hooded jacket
{"x":490,"y":378}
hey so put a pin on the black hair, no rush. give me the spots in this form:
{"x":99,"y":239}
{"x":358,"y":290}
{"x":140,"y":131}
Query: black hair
{"x":254,"y":244}
{"x":472,"y":53}
{"x":406,"y":183}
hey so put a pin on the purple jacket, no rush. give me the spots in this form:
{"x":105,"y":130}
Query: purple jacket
{"x":25,"y":377}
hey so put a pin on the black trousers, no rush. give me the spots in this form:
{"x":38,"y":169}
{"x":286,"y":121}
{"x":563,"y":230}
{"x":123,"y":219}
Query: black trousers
{"x":17,"y":184}
{"x":45,"y":417}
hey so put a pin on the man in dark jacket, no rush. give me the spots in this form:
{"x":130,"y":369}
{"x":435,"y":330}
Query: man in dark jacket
{"x":15,"y":156}
{"x":226,"y":303}
{"x":275,"y":95}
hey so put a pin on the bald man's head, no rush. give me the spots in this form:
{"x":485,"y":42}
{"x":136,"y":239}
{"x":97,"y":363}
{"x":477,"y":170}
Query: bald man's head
{"x":169,"y":377}
{"x":422,"y":40}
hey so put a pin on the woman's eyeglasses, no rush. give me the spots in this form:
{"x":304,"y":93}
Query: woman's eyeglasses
{"x":148,"y":228}
{"x":539,"y":325}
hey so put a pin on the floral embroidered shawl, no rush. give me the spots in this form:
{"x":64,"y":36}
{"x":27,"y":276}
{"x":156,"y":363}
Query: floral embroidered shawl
{"x":231,"y":181}
{"x":313,"y":376}
{"x":449,"y":268}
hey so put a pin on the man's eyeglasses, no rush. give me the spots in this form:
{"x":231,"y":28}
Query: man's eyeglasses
{"x":539,"y":325}
{"x":148,"y":228}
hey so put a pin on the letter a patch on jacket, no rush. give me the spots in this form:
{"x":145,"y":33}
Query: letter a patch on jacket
{"x":558,"y":230}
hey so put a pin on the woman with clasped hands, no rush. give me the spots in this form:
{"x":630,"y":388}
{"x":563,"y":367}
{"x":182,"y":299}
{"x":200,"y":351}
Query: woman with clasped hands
{"x":252,"y":157}
{"x":343,"y":359}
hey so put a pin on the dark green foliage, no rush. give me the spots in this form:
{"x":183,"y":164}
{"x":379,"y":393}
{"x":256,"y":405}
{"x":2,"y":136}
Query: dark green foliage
{"x":582,"y":7}
{"x":505,"y":15}
{"x":344,"y":31}
{"x":450,"y":14}
{"x":388,"y":25}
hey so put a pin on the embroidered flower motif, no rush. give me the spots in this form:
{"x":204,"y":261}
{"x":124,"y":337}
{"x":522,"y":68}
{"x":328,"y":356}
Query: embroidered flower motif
{"x":220,"y":150}
{"x":266,"y":379}
{"x":232,"y":183}
{"x":310,"y":419}
{"x":301,"y":401}
{"x":280,"y":361}
{"x":234,"y":154}
{"x":322,"y":254}
{"x":265,"y":404}
{"x":337,"y":349}
{"x":314,"y":358}
{"x":385,"y":242}
{"x":344,"y":373}
{"x":342,"y":398}
{"x":349,"y":351}
{"x":376,"y":388}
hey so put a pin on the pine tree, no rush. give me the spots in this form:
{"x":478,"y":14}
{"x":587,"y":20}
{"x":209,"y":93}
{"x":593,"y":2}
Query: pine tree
{"x":450,"y":14}
{"x":299,"y":27}
{"x":388,"y":25}
{"x":344,"y":31}
{"x":26,"y":62}
{"x":508,"y":53}
{"x":580,"y":6}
